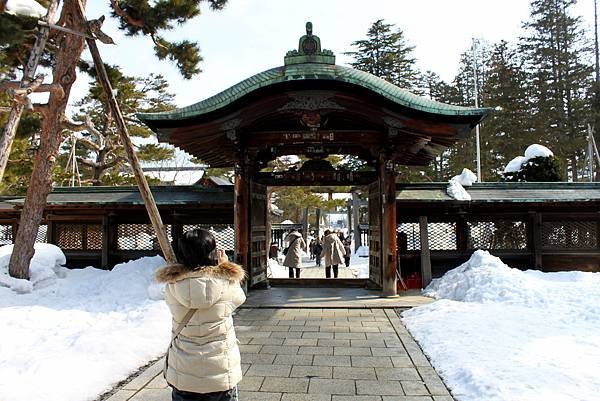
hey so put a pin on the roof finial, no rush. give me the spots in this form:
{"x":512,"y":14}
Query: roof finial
{"x":309,"y":50}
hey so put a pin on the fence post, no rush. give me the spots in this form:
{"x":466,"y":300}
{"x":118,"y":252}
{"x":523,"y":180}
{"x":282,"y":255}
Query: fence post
{"x":425,"y":255}
{"x":105,"y":241}
{"x":537,"y":240}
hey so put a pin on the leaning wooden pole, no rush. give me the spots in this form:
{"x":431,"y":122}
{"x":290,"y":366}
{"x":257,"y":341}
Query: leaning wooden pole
{"x":10,"y":128}
{"x":159,"y":228}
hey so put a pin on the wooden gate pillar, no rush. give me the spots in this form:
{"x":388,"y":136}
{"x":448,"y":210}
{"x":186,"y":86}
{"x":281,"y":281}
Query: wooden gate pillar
{"x":387,"y":180}
{"x":241,"y":208}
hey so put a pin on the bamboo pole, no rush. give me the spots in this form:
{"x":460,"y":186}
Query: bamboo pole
{"x":10,"y":128}
{"x":161,"y":234}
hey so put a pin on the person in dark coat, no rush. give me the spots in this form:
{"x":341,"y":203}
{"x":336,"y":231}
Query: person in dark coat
{"x":347,"y":255}
{"x":318,"y":251}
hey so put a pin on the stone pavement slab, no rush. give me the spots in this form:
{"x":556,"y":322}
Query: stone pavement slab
{"x":292,"y":354}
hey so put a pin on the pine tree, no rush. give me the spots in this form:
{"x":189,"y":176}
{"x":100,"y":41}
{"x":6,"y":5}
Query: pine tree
{"x":556,"y":54}
{"x":99,"y":147}
{"x":509,"y":128}
{"x":386,"y":54}
{"x":136,"y":17}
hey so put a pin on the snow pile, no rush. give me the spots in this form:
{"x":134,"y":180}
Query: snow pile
{"x":531,"y":152}
{"x":29,"y":8}
{"x":359,"y":262}
{"x":45,"y":266}
{"x":76,"y":338}
{"x":457,"y":183}
{"x":501,"y":334}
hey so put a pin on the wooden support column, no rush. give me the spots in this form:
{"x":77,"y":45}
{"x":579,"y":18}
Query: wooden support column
{"x":318,"y":223}
{"x":356,"y":220}
{"x":241,"y":209}
{"x":425,"y":256}
{"x":105,"y":242}
{"x":387,"y":186}
{"x":535,"y":221}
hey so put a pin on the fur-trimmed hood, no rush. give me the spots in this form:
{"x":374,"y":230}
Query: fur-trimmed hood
{"x":176,"y":272}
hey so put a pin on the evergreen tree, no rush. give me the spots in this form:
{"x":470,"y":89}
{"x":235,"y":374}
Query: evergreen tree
{"x":509,"y":128}
{"x":99,"y":146}
{"x":386,"y":54}
{"x":556,"y":54}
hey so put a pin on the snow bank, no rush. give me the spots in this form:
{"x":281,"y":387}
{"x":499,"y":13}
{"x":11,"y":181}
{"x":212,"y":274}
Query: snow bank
{"x":457,"y":183}
{"x":502,"y":334}
{"x":531,"y":152}
{"x":29,"y":8}
{"x":76,"y":338}
{"x":45,"y":266}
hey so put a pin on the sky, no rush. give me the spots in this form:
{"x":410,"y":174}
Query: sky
{"x":250,"y":36}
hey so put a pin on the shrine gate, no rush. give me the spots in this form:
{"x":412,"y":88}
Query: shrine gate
{"x":310,"y":106}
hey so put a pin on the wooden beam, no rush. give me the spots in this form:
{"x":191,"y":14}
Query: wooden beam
{"x":146,"y":194}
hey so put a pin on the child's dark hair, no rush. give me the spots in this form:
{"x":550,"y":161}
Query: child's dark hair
{"x":196,"y":248}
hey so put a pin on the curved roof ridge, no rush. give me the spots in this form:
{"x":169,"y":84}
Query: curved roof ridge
{"x":313,"y":71}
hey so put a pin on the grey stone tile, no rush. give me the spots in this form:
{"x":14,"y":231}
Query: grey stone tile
{"x":250,"y":383}
{"x":348,"y":372}
{"x":414,"y":387}
{"x":258,"y":358}
{"x":305,"y":397}
{"x":288,"y":385}
{"x":309,"y":342}
{"x":122,"y":395}
{"x":388,"y":351}
{"x":252,"y":334}
{"x":331,"y":386}
{"x":397,"y":374}
{"x":379,"y":387}
{"x":146,"y":376}
{"x":371,"y":361}
{"x":158,"y":382}
{"x":407,"y":398}
{"x":352,"y":351}
{"x":305,"y":329}
{"x":325,"y":360}
{"x":350,"y":336}
{"x":279,"y":349}
{"x":335,"y":329}
{"x":259,"y":396}
{"x":318,"y":334}
{"x":266,"y":341}
{"x":250,"y":349}
{"x":259,"y":369}
{"x":323,"y":342}
{"x":368,"y":343}
{"x":312,"y":371}
{"x":287,"y":334}
{"x":356,"y":398}
{"x":315,"y":350}
{"x":402,"y":362}
{"x":152,"y":395}
{"x":381,"y":336}
{"x":443,"y":398}
{"x":293,"y":360}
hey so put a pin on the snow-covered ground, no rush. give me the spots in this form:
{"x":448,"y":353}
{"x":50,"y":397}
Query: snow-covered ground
{"x":501,"y":334}
{"x":359,"y":264}
{"x":73,"y":338}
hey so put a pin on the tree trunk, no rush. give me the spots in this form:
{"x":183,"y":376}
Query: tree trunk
{"x":10,"y":128}
{"x":64,"y":74}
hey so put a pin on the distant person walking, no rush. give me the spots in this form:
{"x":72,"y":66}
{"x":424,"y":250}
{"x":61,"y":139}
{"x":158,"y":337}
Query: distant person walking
{"x":334,"y":253}
{"x":318,"y":252}
{"x":348,"y":252}
{"x":293,"y":256}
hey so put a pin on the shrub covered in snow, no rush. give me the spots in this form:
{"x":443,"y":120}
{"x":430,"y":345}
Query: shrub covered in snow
{"x":538,"y":165}
{"x":45,"y":266}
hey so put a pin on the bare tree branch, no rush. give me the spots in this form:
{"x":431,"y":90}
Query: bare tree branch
{"x":124,"y":14}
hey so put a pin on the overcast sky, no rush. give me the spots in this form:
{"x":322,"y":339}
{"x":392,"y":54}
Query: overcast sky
{"x":250,"y":36}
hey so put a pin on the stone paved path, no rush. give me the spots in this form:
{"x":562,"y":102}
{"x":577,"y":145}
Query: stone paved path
{"x":319,"y":355}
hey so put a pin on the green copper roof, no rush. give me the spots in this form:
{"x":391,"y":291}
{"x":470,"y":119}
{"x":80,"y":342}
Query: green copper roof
{"x":310,"y":63}
{"x":319,"y":72}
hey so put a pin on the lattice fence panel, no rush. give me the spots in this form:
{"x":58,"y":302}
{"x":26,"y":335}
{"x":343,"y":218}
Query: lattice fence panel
{"x":6,"y":234}
{"x":413,"y":237}
{"x":224,"y":234}
{"x":42,"y":234}
{"x":69,"y":236}
{"x":442,"y":236}
{"x":139,"y":237}
{"x":498,"y":234}
{"x":570,"y":234}
{"x":94,"y":237}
